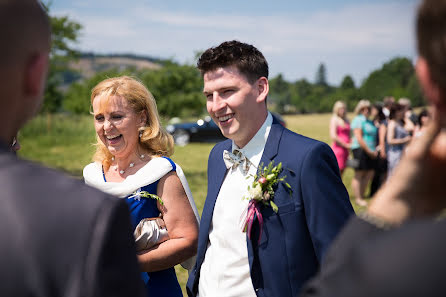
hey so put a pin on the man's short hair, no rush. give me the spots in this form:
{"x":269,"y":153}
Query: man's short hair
{"x":249,"y":60}
{"x":24,"y":29}
{"x":431,"y":38}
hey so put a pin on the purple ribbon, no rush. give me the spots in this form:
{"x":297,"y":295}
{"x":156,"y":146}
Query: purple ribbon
{"x":253,"y":210}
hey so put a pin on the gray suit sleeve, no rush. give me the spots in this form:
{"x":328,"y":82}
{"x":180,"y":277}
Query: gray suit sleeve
{"x":367,"y":261}
{"x":111,"y":267}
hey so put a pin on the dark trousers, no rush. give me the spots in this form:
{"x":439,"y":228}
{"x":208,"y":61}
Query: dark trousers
{"x":380,"y":175}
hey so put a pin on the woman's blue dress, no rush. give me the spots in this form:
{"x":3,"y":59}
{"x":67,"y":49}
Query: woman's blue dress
{"x":161,"y":283}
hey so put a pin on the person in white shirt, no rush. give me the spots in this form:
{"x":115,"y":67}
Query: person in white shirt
{"x":290,"y":215}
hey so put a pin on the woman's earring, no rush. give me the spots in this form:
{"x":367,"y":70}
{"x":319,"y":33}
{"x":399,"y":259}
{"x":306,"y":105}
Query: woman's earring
{"x":140,"y":134}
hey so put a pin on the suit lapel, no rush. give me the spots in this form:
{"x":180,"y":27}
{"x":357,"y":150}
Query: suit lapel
{"x":272,"y":143}
{"x":269,"y":153}
{"x":216,"y":174}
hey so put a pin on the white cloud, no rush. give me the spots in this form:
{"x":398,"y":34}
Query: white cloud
{"x":376,"y":32}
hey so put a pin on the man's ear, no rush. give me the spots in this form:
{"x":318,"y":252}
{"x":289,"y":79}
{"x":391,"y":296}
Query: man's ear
{"x":263,"y":89}
{"x":431,"y":90}
{"x":35,"y":74}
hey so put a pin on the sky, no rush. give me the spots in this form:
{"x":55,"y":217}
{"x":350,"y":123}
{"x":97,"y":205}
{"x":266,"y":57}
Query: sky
{"x":351,"y":37}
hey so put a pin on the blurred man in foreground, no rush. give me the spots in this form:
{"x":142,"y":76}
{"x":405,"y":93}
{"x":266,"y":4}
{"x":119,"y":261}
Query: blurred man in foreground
{"x":58,"y":237}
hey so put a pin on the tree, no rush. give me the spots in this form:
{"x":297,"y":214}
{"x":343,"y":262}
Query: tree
{"x":301,"y":90}
{"x":391,"y":80}
{"x":177,"y":89}
{"x":65,"y":34}
{"x":280,"y":95}
{"x":77,"y":97}
{"x":321,"y":75}
{"x":347,"y":83}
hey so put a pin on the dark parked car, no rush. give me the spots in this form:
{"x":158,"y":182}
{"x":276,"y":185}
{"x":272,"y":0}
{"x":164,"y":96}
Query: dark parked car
{"x":203,"y":130}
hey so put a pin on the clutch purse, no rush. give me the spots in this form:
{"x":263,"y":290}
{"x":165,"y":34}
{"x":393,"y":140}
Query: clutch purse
{"x":150,"y":232}
{"x":353,"y":163}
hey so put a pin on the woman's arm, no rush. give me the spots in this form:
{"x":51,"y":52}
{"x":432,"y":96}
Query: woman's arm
{"x":382,"y":141}
{"x":391,"y":135}
{"x":358,"y":134}
{"x":181,"y":225}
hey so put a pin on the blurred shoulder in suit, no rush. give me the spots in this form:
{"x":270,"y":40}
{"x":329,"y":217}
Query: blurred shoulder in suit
{"x":58,"y":237}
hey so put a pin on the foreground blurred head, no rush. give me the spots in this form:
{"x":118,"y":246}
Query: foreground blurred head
{"x":127,"y":121}
{"x":431,"y":66}
{"x":25,"y":38}
{"x":431,"y":43}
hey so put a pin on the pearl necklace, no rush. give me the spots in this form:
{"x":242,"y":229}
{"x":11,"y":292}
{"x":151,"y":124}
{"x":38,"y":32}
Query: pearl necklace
{"x":132,"y":164}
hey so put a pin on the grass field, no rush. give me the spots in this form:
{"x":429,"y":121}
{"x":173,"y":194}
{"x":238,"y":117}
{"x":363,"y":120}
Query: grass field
{"x":66,"y":142}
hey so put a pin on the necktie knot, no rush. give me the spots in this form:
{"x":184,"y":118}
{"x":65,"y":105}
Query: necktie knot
{"x":236,"y":158}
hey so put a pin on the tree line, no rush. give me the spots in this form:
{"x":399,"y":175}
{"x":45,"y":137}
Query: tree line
{"x":178,"y":87}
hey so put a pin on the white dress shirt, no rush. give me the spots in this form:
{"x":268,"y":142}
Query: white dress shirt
{"x":225,"y":269}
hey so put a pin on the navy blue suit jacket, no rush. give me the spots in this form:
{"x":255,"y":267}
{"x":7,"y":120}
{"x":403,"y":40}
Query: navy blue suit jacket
{"x":293,"y":240}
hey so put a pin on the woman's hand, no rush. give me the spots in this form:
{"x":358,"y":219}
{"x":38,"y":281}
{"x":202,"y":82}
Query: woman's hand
{"x":407,"y":139}
{"x":372,"y":154}
{"x":358,"y":134}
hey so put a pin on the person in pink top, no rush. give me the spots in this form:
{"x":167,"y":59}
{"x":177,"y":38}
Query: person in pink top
{"x":340,"y":134}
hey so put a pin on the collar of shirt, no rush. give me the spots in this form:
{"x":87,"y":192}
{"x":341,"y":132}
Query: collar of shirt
{"x":254,"y":149}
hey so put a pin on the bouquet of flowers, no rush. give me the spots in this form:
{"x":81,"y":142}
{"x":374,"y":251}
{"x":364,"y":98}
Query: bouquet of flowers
{"x":262,"y":192}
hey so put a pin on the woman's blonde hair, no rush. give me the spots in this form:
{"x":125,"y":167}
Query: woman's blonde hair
{"x":154,"y":139}
{"x":338,"y":105}
{"x":364,"y":103}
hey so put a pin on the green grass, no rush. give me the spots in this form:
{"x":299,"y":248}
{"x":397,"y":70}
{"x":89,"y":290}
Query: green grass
{"x":60,"y":141}
{"x":66,"y":142}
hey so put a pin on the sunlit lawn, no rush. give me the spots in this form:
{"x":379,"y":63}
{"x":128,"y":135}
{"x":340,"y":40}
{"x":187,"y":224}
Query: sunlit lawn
{"x":66,"y":142}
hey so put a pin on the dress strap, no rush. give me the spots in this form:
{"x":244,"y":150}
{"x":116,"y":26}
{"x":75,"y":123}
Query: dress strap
{"x":174,"y":166}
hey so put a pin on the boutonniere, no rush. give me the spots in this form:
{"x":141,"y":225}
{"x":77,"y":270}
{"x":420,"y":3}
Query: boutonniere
{"x":144,"y":194}
{"x":261,"y":191}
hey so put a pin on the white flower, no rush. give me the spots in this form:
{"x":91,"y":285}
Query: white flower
{"x":256,"y":192}
{"x":136,"y":195}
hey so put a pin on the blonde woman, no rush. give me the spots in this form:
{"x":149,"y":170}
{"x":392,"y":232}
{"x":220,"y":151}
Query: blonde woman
{"x":340,"y":134}
{"x":131,"y":161}
{"x":364,"y":149}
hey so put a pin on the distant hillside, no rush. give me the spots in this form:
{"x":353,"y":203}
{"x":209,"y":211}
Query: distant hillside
{"x":89,"y":63}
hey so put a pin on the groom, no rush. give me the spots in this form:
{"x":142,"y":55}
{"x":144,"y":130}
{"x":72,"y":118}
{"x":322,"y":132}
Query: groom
{"x":284,"y":248}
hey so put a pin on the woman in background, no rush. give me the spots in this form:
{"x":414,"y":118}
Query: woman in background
{"x":131,"y":162}
{"x":397,"y":136}
{"x":423,"y":120}
{"x":340,"y":134}
{"x":380,"y":170}
{"x":363,"y":149}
